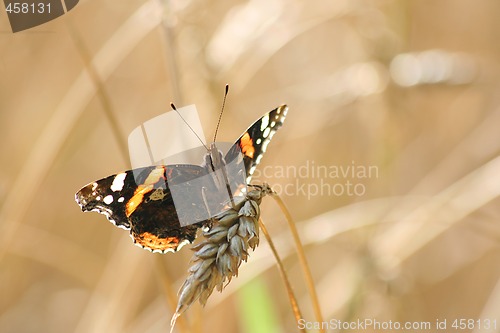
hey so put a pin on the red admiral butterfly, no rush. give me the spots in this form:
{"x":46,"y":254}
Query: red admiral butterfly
{"x":140,"y":200}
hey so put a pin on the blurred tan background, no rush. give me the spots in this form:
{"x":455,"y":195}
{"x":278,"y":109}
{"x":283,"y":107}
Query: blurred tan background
{"x":407,"y":90}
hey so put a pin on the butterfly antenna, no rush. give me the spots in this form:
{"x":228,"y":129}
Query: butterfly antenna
{"x":184,"y":120}
{"x":221,"y":111}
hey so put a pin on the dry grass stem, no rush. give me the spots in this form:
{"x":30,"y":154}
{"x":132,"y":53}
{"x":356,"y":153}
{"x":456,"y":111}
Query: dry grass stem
{"x":171,"y":52}
{"x":170,"y":294}
{"x":284,"y":276}
{"x":302,"y":259}
{"x":100,"y":91}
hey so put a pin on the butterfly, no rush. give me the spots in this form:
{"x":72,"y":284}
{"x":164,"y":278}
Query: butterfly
{"x":154,"y":202}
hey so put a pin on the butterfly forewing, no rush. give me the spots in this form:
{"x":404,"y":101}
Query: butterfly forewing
{"x":253,"y":142}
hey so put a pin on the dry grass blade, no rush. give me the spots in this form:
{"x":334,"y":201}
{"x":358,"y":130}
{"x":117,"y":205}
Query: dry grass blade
{"x":100,"y":90}
{"x":491,"y":309}
{"x":450,"y":206}
{"x":46,"y":148}
{"x":100,"y":67}
{"x":110,"y":315}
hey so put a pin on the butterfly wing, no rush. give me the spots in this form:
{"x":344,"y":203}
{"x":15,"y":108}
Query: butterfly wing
{"x":252,"y":144}
{"x":140,"y":200}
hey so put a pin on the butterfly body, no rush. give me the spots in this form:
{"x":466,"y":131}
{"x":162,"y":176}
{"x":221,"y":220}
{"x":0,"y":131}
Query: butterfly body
{"x":155,"y":202}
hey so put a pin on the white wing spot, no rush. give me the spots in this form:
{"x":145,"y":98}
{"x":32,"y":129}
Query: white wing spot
{"x":266,"y":132}
{"x":257,"y":161}
{"x":264,"y":145}
{"x":273,"y":123}
{"x":265,"y":122}
{"x":94,"y":186}
{"x":121,"y":199}
{"x":181,"y":244}
{"x":118,"y":182}
{"x":108,"y":199}
{"x":258,"y":141}
{"x":98,"y":198}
